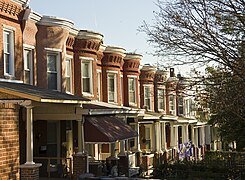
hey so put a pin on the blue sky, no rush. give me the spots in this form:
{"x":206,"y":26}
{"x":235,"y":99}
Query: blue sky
{"x":117,"y":20}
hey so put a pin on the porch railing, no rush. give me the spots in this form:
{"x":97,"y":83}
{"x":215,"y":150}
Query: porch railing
{"x":61,"y":167}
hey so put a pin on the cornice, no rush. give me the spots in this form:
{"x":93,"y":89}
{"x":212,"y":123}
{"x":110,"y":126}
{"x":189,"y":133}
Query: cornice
{"x":133,"y":56}
{"x":21,"y":2}
{"x":86,"y":34}
{"x":115,"y":50}
{"x":55,"y":21}
{"x":35,"y":16}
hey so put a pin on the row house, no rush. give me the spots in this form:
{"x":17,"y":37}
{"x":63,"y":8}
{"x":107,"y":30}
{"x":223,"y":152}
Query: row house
{"x":70,"y":101}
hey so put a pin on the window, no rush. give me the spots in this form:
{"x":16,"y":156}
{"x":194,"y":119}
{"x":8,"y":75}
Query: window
{"x":147,"y":97}
{"x":28,"y":66}
{"x":160,"y":97}
{"x":53,"y":70}
{"x":148,"y":137}
{"x":132,"y":90}
{"x":8,"y":49}
{"x":98,"y":85}
{"x":132,"y":141}
{"x":112,"y":90}
{"x":87,"y":86}
{"x":121,"y":89}
{"x":180,"y":105}
{"x":68,"y":75}
{"x":172,"y":104}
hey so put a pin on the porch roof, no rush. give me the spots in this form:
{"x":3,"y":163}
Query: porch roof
{"x":106,"y":129}
{"x":25,"y":91}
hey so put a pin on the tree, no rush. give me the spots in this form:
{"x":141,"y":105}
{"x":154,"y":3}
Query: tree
{"x":204,"y":32}
{"x":198,"y":31}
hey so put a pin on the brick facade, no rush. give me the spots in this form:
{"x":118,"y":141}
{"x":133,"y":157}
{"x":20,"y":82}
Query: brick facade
{"x":9,"y":141}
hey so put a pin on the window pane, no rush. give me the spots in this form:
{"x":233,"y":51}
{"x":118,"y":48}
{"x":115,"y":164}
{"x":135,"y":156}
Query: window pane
{"x":85,"y":69}
{"x":68,"y":84}
{"x":86,"y":85}
{"x":52,"y":81}
{"x":27,"y":77}
{"x":111,"y":88}
{"x":7,"y":63}
{"x":52,"y":62}
{"x":161,"y":99}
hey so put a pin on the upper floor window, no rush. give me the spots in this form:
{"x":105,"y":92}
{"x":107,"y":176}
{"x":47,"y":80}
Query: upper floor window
{"x":132,"y":90}
{"x":172,"y":104}
{"x":112,"y":88}
{"x":87,"y":79}
{"x":161,"y":101}
{"x":121,"y":90}
{"x":180,"y":105}
{"x":98,"y":85}
{"x":8,"y":50}
{"x":68,"y":75}
{"x":53,"y":70}
{"x":147,"y":97}
{"x":28,"y":66}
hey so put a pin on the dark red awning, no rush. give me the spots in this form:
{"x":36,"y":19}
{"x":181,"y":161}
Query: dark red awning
{"x":106,"y":129}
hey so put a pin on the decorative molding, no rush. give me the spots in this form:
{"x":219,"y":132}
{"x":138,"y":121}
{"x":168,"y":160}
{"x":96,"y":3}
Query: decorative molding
{"x":115,"y":50}
{"x":55,"y":21}
{"x":86,"y":34}
{"x":35,"y":16}
{"x":10,"y":8}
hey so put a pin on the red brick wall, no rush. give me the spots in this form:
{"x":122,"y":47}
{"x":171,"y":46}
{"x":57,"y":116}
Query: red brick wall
{"x":10,"y":17}
{"x":9,"y":141}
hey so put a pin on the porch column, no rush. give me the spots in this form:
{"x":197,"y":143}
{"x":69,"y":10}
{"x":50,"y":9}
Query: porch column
{"x":196,"y":137}
{"x":29,"y":170}
{"x":29,"y":135}
{"x":80,"y":160}
{"x":138,"y":137}
{"x":113,"y":153}
{"x":192,"y":134}
{"x":122,"y":148}
{"x":157,"y":137}
{"x":80,"y":130}
{"x":172,"y":142}
{"x":176,"y":142}
{"x":164,"y":146}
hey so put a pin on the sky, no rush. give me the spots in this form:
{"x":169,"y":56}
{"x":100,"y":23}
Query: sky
{"x":117,"y":20}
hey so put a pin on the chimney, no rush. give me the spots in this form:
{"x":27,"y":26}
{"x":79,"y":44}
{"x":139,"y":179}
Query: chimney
{"x":172,"y":72}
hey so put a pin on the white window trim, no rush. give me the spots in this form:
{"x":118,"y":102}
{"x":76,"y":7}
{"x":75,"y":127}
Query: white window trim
{"x":115,"y":87}
{"x":69,"y":58}
{"x":29,"y":48}
{"x":151,"y":91}
{"x":89,"y":60}
{"x":111,"y":72}
{"x":174,"y":105}
{"x":11,"y":30}
{"x":121,"y":89}
{"x":55,"y":50}
{"x":164,"y":101}
{"x":98,"y":74}
{"x":135,"y":84}
{"x":57,"y":66}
